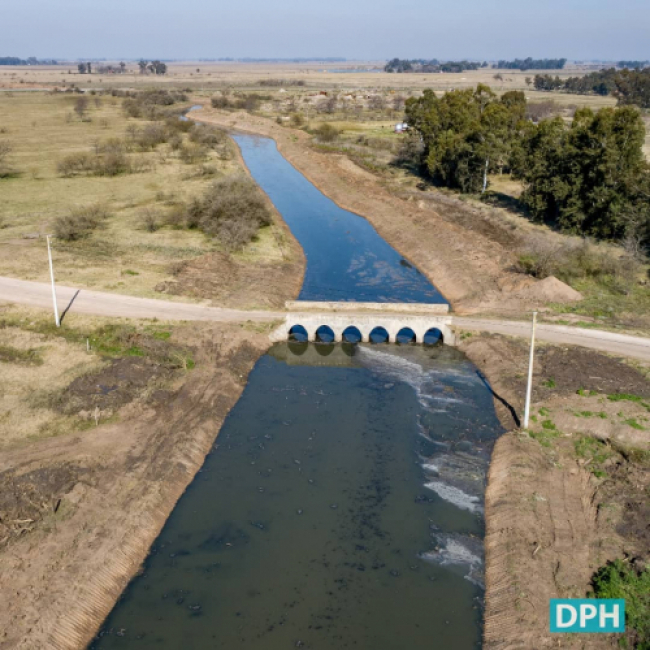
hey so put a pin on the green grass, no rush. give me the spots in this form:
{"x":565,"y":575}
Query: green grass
{"x":619,"y":580}
{"x":625,"y":397}
{"x":631,"y":422}
{"x":545,"y":437}
{"x":549,"y":383}
{"x":544,"y":411}
{"x":596,"y":451}
{"x":586,"y":393}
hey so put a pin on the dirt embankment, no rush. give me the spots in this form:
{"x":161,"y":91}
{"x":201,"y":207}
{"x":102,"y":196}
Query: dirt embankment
{"x":471,"y":269}
{"x":81,"y":511}
{"x":569,"y":498}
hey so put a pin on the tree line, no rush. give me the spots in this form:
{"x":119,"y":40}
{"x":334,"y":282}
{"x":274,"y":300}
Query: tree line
{"x":589,"y":177}
{"x":32,"y":60}
{"x":533,"y":64}
{"x":431,"y":65}
{"x":629,"y":86}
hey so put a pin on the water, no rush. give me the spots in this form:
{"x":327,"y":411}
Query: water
{"x":346,"y":258}
{"x":342,"y":504}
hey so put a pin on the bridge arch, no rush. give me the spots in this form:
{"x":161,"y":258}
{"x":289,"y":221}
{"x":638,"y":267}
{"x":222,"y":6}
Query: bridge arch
{"x":352,"y":334}
{"x":325,"y":334}
{"x":405,"y":336}
{"x":298,"y":333}
{"x":379,"y":334}
{"x":433,"y":336}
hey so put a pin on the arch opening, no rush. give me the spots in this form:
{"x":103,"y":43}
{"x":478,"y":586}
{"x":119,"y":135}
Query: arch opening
{"x":298,"y":333}
{"x":405,"y":336}
{"x":379,"y":335}
{"x":352,"y":335}
{"x":432,"y":337}
{"x":325,"y":334}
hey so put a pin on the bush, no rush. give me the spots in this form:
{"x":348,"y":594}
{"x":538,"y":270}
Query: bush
{"x":150,"y":220}
{"x":76,"y":163}
{"x":326,"y":133}
{"x":232,"y":210}
{"x":571,"y":261}
{"x":192,"y":153}
{"x":151,"y":136}
{"x":619,"y":580}
{"x":221,"y":102}
{"x":80,"y":223}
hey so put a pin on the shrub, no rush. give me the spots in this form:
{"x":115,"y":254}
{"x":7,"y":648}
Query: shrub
{"x":232,"y":210}
{"x":151,"y":136}
{"x":619,"y":580}
{"x":579,"y":260}
{"x":326,"y":133}
{"x":76,"y":163}
{"x":221,"y":102}
{"x":112,"y":163}
{"x":192,"y":153}
{"x":297,"y":120}
{"x":80,"y":222}
{"x":150,"y":220}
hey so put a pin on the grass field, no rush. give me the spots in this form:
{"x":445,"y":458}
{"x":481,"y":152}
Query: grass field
{"x":120,"y":256}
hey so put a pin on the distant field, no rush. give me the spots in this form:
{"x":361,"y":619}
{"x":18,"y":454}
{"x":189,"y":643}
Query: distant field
{"x":121,"y":256}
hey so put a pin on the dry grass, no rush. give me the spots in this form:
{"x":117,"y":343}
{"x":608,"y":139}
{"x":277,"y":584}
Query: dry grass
{"x":120,"y":256}
{"x":23,"y":417}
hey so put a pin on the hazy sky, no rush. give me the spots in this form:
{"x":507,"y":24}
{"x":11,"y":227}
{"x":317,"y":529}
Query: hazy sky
{"x":355,"y":29}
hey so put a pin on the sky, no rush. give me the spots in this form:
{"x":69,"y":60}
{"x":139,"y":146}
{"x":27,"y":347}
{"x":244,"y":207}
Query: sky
{"x":354,"y":29}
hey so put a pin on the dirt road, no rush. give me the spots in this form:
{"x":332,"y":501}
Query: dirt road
{"x":635,"y":347}
{"x":37,"y":294}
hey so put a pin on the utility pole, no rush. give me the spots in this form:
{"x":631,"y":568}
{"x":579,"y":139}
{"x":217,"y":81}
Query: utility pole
{"x":530,"y":372}
{"x":56,"y":308}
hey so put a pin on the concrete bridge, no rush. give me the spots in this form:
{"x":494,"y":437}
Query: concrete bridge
{"x":356,"y":321}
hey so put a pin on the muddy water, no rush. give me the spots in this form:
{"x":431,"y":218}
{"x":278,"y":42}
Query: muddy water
{"x":341,"y":506}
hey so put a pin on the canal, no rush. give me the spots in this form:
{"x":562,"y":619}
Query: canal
{"x":341,"y":505}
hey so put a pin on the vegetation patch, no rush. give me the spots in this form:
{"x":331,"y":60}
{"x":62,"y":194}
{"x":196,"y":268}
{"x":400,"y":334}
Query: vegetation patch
{"x":595,"y":453}
{"x":10,"y":354}
{"x":619,"y":579}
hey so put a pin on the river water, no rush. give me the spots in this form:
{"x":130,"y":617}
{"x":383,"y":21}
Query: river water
{"x":341,"y":505}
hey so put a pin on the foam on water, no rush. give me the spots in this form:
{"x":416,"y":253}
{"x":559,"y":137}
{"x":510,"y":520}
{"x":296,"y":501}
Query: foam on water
{"x":461,"y":551}
{"x":456,"y":496}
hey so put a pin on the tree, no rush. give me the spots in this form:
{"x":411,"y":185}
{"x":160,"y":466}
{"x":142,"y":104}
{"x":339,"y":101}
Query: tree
{"x":143,"y":66}
{"x":89,"y":67}
{"x":590,"y":178}
{"x":466,"y":134}
{"x":81,"y":106}
{"x":82,"y":68}
{"x":157,"y":67}
{"x":122,"y":67}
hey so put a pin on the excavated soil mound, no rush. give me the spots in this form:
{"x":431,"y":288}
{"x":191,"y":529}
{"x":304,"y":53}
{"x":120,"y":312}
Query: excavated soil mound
{"x":550,"y":290}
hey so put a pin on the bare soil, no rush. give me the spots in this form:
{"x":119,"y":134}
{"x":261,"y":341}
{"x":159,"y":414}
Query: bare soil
{"x":553,"y":515}
{"x":79,"y":512}
{"x":233,"y":283}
